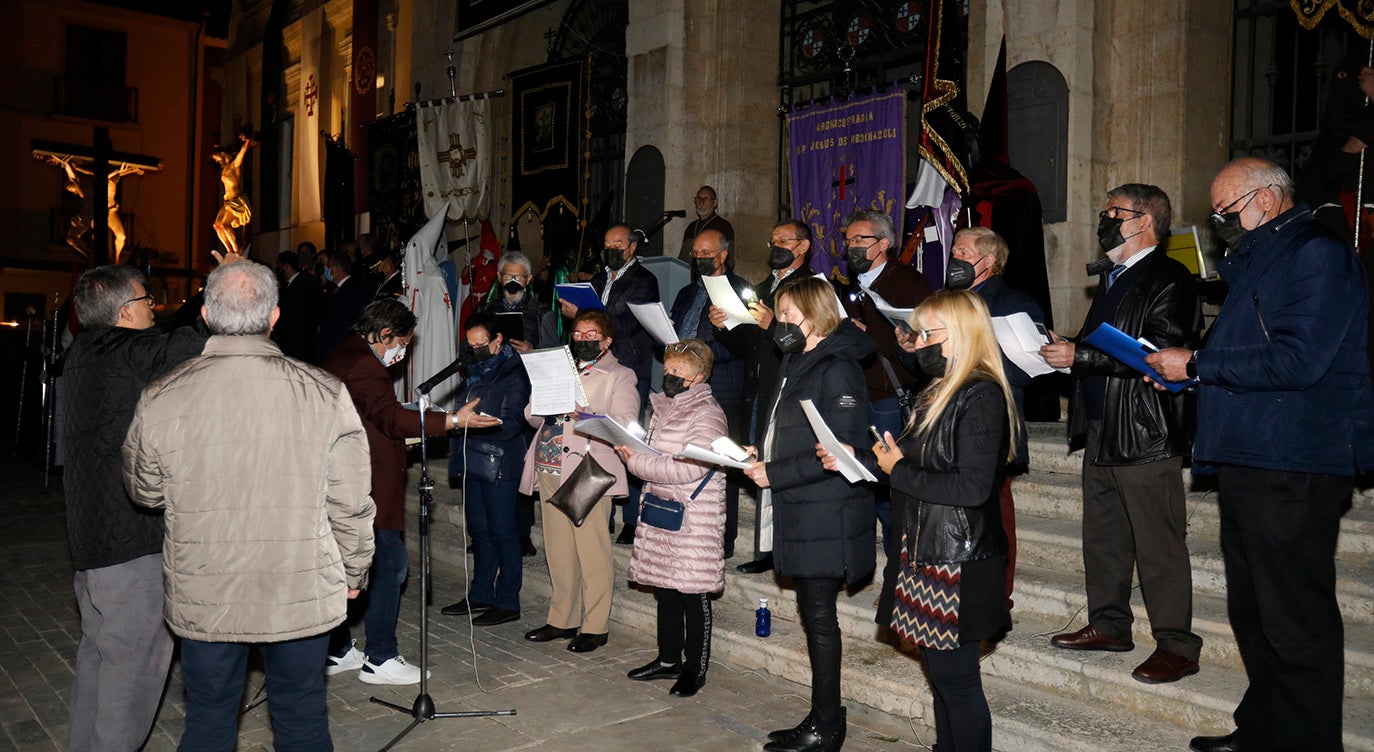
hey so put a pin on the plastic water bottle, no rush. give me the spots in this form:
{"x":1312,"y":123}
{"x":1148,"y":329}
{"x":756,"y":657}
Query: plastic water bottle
{"x":763,"y":619}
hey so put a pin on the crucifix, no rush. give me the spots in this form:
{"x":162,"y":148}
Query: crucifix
{"x":845,"y":179}
{"x":456,"y":156}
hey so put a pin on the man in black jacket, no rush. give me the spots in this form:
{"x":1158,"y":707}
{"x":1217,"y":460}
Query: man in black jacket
{"x":1133,"y":499}
{"x":300,"y":308}
{"x":125,"y":650}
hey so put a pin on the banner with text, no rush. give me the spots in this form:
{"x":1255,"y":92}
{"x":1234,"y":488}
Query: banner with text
{"x":847,"y":157}
{"x":455,"y":157}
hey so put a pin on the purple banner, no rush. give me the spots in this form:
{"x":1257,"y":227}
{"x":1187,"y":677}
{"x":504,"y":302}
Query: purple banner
{"x":847,"y":157}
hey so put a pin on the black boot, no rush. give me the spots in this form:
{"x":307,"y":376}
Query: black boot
{"x":813,"y":736}
{"x":789,"y":732}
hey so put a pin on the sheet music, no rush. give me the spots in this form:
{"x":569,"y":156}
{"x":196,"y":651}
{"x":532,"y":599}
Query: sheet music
{"x":724,"y":297}
{"x":654,"y":318}
{"x":555,"y":387}
{"x":694,"y":452}
{"x":1020,"y":341}
{"x":605,"y":428}
{"x":849,"y":466}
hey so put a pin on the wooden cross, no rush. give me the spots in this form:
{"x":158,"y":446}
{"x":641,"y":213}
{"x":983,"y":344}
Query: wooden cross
{"x":843,"y":181}
{"x":456,"y":156}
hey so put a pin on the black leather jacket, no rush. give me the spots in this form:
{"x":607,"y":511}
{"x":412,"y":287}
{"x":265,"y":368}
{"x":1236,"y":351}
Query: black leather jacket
{"x":950,"y":479}
{"x":1139,"y":424}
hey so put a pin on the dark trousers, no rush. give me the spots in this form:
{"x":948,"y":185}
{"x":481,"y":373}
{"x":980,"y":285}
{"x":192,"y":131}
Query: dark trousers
{"x":1134,"y":518}
{"x":497,"y":574}
{"x":629,"y":511}
{"x":213,"y":673}
{"x":380,"y":602}
{"x":733,"y":422}
{"x":886,"y":416}
{"x":963,"y":722}
{"x":684,"y":629}
{"x":1278,"y":540}
{"x":816,"y":602}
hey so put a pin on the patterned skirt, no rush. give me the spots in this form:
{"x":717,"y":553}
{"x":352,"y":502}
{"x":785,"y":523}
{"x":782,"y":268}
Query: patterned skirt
{"x":926,"y":603}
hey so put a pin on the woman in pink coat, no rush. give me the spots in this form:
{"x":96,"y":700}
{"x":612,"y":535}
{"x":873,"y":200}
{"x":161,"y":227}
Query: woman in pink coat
{"x":685,"y":566}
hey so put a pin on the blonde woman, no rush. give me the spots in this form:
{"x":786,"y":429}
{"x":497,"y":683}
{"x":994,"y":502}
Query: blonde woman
{"x":946,"y":470}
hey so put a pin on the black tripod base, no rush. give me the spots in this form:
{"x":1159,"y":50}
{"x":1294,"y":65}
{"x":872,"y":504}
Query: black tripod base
{"x":423,"y":710}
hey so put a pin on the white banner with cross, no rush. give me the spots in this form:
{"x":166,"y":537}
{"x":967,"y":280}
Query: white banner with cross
{"x":455,"y":157}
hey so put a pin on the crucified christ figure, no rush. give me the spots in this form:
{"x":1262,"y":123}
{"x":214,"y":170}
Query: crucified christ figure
{"x":82,"y":221}
{"x":235,"y":212}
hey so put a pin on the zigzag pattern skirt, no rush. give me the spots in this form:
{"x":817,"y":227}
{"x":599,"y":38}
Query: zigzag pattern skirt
{"x":926,"y":604}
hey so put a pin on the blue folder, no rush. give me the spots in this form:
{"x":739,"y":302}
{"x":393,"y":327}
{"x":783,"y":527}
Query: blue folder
{"x":582,"y":295}
{"x":1132,"y":352}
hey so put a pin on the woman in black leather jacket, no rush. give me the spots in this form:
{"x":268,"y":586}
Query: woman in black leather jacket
{"x":947,"y":468}
{"x":822,"y":525}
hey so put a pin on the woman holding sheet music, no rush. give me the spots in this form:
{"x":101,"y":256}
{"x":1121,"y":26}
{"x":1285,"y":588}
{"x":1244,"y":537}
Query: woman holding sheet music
{"x":581,"y":568}
{"x":946,"y":470}
{"x":687,"y":564}
{"x":823,"y":526}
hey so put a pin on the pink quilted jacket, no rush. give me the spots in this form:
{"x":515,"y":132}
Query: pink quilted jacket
{"x":690,"y":560}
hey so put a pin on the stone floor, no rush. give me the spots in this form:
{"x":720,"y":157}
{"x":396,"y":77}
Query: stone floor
{"x":565,"y":702}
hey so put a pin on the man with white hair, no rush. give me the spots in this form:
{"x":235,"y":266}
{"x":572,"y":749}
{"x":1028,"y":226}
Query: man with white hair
{"x":261,"y":464}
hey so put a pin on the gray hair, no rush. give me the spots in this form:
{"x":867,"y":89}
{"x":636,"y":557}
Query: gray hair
{"x":515,"y":257}
{"x":239,"y":299}
{"x":102,"y":292}
{"x":882,"y":220}
{"x":1261,"y":173}
{"x":1149,"y":199}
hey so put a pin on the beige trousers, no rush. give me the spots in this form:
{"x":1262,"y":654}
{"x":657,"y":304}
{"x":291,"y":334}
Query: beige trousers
{"x":581,"y":566}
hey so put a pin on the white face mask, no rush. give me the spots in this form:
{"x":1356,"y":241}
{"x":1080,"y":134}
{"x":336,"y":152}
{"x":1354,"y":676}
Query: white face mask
{"x":393,"y":355}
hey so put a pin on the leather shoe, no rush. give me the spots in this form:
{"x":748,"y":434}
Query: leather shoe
{"x":586,"y":643}
{"x":782,"y":734}
{"x":1088,"y":638}
{"x":463,"y":607}
{"x":549,"y":633}
{"x":627,"y":536}
{"x":757,"y":566}
{"x":812,"y":737}
{"x":1163,"y":667}
{"x":655,"y":669}
{"x":1228,"y":743}
{"x":493,"y":616}
{"x":687,"y":684}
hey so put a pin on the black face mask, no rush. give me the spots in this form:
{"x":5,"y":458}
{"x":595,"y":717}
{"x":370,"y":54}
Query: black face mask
{"x":1228,"y":229}
{"x":931,"y":360}
{"x":858,"y":260}
{"x":586,"y":350}
{"x":1109,"y":233}
{"x":779,"y":257}
{"x":513,"y":288}
{"x":959,"y":274}
{"x":614,"y":258}
{"x":789,"y":337}
{"x":674,"y":385}
{"x":704,"y":267}
{"x":482,"y":353}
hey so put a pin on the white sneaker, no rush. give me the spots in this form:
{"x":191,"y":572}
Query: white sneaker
{"x":394,"y":671}
{"x":350,"y":661}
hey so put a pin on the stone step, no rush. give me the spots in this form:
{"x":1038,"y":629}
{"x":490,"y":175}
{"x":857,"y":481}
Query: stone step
{"x":1060,"y":496}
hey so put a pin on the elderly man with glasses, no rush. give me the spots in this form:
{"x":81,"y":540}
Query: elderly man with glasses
{"x":1133,"y":499}
{"x":1283,"y":412}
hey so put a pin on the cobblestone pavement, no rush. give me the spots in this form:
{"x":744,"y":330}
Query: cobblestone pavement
{"x":565,"y":701}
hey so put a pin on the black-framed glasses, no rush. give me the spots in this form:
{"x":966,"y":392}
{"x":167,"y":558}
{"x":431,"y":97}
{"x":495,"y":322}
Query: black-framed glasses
{"x":146,"y":297}
{"x":779,"y":243}
{"x":852,"y":238}
{"x":1220,"y":214}
{"x":480,"y":345}
{"x":1115,"y":212}
{"x":924,"y":334}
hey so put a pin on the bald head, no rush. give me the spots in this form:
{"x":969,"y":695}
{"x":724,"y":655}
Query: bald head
{"x":713,"y":247}
{"x":1257,"y":189}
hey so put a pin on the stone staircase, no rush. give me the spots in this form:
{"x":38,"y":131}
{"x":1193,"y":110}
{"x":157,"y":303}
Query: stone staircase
{"x":1043,"y":699}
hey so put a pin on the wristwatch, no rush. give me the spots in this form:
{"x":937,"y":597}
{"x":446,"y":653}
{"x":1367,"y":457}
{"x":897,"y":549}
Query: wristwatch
{"x":1192,"y":366}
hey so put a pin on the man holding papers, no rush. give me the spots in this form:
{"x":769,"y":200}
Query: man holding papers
{"x":1133,"y":499}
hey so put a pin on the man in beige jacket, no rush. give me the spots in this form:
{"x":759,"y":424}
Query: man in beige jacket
{"x":261,"y":464}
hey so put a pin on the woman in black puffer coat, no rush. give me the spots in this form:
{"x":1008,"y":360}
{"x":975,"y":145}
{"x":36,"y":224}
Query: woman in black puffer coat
{"x":823,"y":527}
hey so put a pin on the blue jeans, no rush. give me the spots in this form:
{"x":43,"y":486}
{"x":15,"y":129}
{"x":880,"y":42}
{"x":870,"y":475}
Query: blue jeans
{"x":497,"y":572}
{"x":885,"y":415}
{"x":389,"y":565}
{"x":213,"y":673}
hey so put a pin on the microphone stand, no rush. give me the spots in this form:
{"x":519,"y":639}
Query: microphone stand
{"x":423,"y":708}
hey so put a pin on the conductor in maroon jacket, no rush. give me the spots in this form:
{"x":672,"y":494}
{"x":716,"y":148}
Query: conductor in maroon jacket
{"x":361,"y":361}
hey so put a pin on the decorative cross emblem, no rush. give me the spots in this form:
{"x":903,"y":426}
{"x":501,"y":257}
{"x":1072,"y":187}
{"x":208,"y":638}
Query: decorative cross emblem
{"x":845,"y":179}
{"x":456,"y":156}
{"x":312,"y":94}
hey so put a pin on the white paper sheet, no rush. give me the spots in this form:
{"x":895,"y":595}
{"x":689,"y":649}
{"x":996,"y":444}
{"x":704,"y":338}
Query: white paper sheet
{"x":605,"y":428}
{"x":849,"y":466}
{"x":724,"y":297}
{"x":555,"y":387}
{"x":654,"y":318}
{"x":898,"y":317}
{"x":694,"y":452}
{"x":1020,"y":341}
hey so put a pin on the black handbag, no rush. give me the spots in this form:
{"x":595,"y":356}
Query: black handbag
{"x":666,"y":514}
{"x":483,"y":461}
{"x":583,"y":487}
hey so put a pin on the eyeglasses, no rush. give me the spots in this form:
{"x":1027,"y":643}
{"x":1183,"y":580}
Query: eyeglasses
{"x":480,"y":345}
{"x":513,"y":277}
{"x":148,"y":298}
{"x":1115,"y":212}
{"x":592,"y":336}
{"x":700,"y":199}
{"x":852,"y":238}
{"x":680,"y":348}
{"x":779,"y":243}
{"x":924,"y":334}
{"x":1219,"y":214}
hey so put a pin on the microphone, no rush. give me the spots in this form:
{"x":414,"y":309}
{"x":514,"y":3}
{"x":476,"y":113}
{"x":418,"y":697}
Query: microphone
{"x":1100,"y":266}
{"x":459,"y":365}
{"x":679,"y":213}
